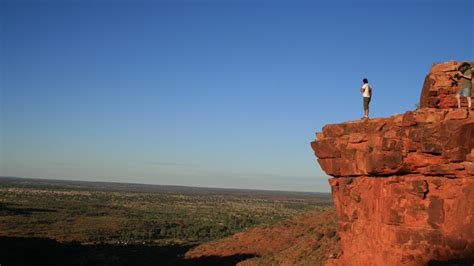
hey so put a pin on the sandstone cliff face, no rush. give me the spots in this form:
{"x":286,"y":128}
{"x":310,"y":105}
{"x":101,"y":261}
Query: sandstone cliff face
{"x":440,"y":86}
{"x":403,"y":186}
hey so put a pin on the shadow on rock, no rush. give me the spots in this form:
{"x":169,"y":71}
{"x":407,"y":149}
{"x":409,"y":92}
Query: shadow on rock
{"x":217,"y":260}
{"x":45,"y":251}
{"x":457,"y":262}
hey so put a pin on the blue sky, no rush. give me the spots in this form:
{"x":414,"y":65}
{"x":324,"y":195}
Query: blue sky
{"x":206,"y":93}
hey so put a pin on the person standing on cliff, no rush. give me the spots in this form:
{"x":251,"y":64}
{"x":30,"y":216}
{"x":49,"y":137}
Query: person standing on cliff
{"x":465,"y":75}
{"x":366,"y":91}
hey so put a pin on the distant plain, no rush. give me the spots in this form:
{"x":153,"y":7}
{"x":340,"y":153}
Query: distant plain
{"x":98,"y":216}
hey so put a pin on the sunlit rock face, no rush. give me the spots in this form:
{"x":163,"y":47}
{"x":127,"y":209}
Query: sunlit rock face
{"x":403,"y":186}
{"x":440,"y":86}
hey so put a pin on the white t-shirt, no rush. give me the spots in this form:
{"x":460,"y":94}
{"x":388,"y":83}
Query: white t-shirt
{"x":366,"y":91}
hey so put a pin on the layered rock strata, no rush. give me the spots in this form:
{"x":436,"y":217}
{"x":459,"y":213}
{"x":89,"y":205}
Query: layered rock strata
{"x":441,"y":85}
{"x":403,"y":186}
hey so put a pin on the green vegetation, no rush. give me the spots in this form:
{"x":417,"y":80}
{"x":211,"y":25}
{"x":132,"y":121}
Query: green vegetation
{"x":98,"y":214}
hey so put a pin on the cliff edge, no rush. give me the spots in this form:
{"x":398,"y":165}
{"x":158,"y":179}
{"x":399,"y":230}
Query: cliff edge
{"x":403,"y":186}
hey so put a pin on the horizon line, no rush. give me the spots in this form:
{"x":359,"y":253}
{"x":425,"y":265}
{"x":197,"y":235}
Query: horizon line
{"x":167,"y":185}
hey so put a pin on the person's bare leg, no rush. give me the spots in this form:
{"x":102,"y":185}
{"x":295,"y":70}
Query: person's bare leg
{"x":458,"y":98}
{"x":469,"y":102}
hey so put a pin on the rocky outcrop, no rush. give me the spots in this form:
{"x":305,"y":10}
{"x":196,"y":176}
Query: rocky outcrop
{"x":441,"y":85}
{"x":403,"y":186}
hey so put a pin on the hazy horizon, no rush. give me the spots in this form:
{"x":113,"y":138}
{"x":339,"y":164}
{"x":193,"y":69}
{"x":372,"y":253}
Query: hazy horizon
{"x":159,"y":185}
{"x":204,"y":93}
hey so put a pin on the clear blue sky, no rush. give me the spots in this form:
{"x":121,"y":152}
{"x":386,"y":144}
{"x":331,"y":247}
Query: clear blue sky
{"x":203,"y":93}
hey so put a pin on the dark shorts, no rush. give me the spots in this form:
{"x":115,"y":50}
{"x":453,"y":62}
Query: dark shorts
{"x":366,"y":103}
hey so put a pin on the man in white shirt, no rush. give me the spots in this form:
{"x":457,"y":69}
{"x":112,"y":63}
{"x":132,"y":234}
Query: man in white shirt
{"x":367,"y":94}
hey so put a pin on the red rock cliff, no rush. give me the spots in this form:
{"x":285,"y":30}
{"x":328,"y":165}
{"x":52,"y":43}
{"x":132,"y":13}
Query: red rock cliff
{"x":440,"y":86}
{"x":403,"y":186}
